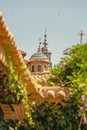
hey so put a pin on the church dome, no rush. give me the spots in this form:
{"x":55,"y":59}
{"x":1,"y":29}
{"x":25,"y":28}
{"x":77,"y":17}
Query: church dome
{"x":39,"y":55}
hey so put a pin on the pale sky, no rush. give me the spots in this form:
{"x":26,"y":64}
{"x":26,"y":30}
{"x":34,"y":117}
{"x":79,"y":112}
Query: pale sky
{"x":63,"y":19}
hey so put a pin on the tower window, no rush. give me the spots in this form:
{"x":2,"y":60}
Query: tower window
{"x":39,"y":68}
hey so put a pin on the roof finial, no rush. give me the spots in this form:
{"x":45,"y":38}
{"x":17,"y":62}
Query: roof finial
{"x":45,"y":31}
{"x":39,"y":48}
{"x":45,"y":36}
{"x":45,"y":39}
{"x":40,"y":40}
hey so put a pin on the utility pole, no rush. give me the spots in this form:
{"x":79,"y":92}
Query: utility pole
{"x":81,"y":36}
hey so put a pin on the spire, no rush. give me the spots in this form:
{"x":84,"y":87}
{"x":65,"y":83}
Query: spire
{"x":46,"y":50}
{"x":45,"y":38}
{"x":40,"y":41}
{"x":39,"y":48}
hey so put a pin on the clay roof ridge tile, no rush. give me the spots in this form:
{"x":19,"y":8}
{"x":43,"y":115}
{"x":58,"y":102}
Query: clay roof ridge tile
{"x":1,"y":15}
{"x":9,"y":34}
{"x":1,"y":20}
{"x":5,"y":27}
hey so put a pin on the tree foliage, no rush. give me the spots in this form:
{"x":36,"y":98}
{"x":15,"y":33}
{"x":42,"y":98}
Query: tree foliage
{"x":72,"y":68}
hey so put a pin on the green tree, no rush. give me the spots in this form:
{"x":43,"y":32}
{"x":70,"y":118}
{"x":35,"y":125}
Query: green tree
{"x":72,"y":68}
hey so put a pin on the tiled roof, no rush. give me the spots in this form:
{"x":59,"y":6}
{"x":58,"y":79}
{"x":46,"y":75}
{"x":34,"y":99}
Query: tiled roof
{"x":39,"y":56}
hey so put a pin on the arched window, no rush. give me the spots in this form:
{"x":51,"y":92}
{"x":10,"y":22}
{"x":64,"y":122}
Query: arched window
{"x":32,"y":68}
{"x":39,"y":68}
{"x":45,"y":67}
